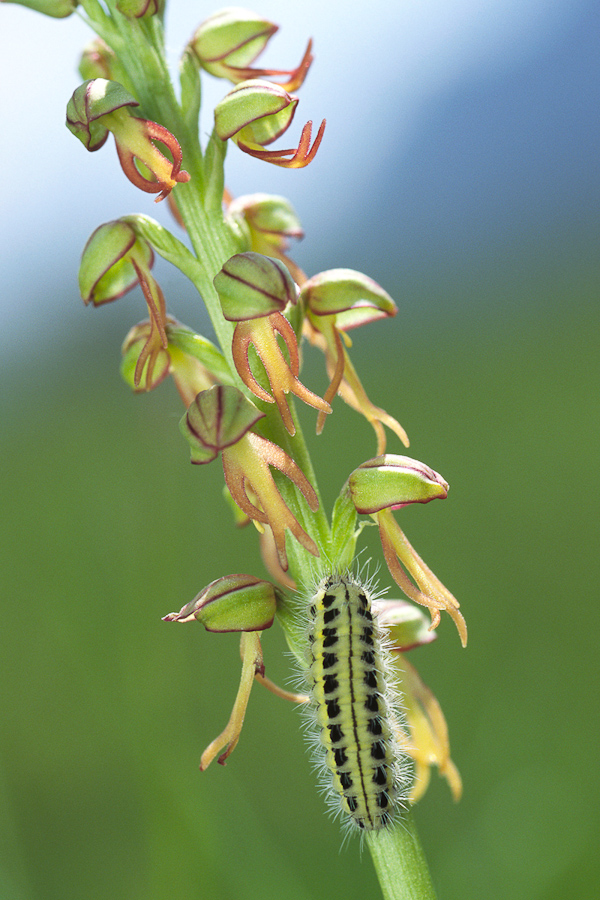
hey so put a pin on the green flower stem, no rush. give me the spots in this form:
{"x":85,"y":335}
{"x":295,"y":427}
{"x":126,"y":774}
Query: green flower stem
{"x":92,"y":12}
{"x":400,"y":863}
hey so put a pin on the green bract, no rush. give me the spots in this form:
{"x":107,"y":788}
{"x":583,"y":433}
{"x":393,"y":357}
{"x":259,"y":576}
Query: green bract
{"x":251,"y":285}
{"x":200,"y":348}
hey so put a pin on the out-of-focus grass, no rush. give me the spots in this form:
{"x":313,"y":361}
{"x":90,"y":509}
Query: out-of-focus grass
{"x":105,"y":709}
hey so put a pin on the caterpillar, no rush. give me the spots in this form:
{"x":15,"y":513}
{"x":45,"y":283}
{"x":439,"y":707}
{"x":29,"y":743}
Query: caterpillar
{"x":353,"y":706}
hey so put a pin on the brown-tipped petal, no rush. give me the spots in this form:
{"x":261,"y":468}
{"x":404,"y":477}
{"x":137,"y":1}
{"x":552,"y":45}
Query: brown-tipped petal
{"x":299,"y":533}
{"x":296,"y":76}
{"x":155,"y":301}
{"x":280,"y":692}
{"x":275,"y":456}
{"x":281,"y":325}
{"x":238,"y":484}
{"x":268,"y":551}
{"x":404,"y":582}
{"x":127,"y":160}
{"x":145,"y":364}
{"x":336,"y":375}
{"x":285,"y":378}
{"x":429,"y":590}
{"x":354,"y":394}
{"x":294,"y":158}
{"x":242,"y":338}
{"x":151,"y":352}
{"x":246,"y":465}
{"x":160,"y":133}
{"x":262,"y":334}
{"x":137,"y":144}
{"x":430,"y":745}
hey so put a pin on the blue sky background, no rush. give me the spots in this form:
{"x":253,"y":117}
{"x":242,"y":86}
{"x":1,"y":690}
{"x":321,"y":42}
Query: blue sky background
{"x":456,"y":131}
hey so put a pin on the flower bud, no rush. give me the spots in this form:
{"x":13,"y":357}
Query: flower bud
{"x":218,"y":418}
{"x":107,"y":270}
{"x":256,"y":111}
{"x":97,"y":61}
{"x":251,"y":286}
{"x":139,"y":9}
{"x":155,"y":367}
{"x":406,"y":625}
{"x":58,"y":9}
{"x":99,"y":106}
{"x":230,"y":40}
{"x":93,"y":100}
{"x":232,"y":603}
{"x":270,"y":220}
{"x":389,"y":482}
{"x":351,"y":296}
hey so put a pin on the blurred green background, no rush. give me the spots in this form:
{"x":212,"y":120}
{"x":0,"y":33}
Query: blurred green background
{"x":492,"y":367}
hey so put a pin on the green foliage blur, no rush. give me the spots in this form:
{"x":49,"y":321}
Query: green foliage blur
{"x":106,"y":527}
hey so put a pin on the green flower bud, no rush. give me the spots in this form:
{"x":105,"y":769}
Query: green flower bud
{"x":218,"y":418}
{"x":406,"y":624}
{"x":155,"y":369}
{"x":90,"y":102}
{"x":268,"y":219}
{"x":256,"y":111}
{"x":99,"y":106}
{"x":232,"y":603}
{"x":251,"y":286}
{"x":58,"y":9}
{"x":139,"y":9}
{"x":107,"y":271}
{"x":97,"y":61}
{"x":351,"y":296}
{"x":389,"y":482}
{"x":229,"y":40}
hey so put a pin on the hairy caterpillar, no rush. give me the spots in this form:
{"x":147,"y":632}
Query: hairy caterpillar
{"x":353,"y":705}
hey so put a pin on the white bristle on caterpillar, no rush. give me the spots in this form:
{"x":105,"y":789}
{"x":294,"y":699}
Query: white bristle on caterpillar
{"x":354,"y":709}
